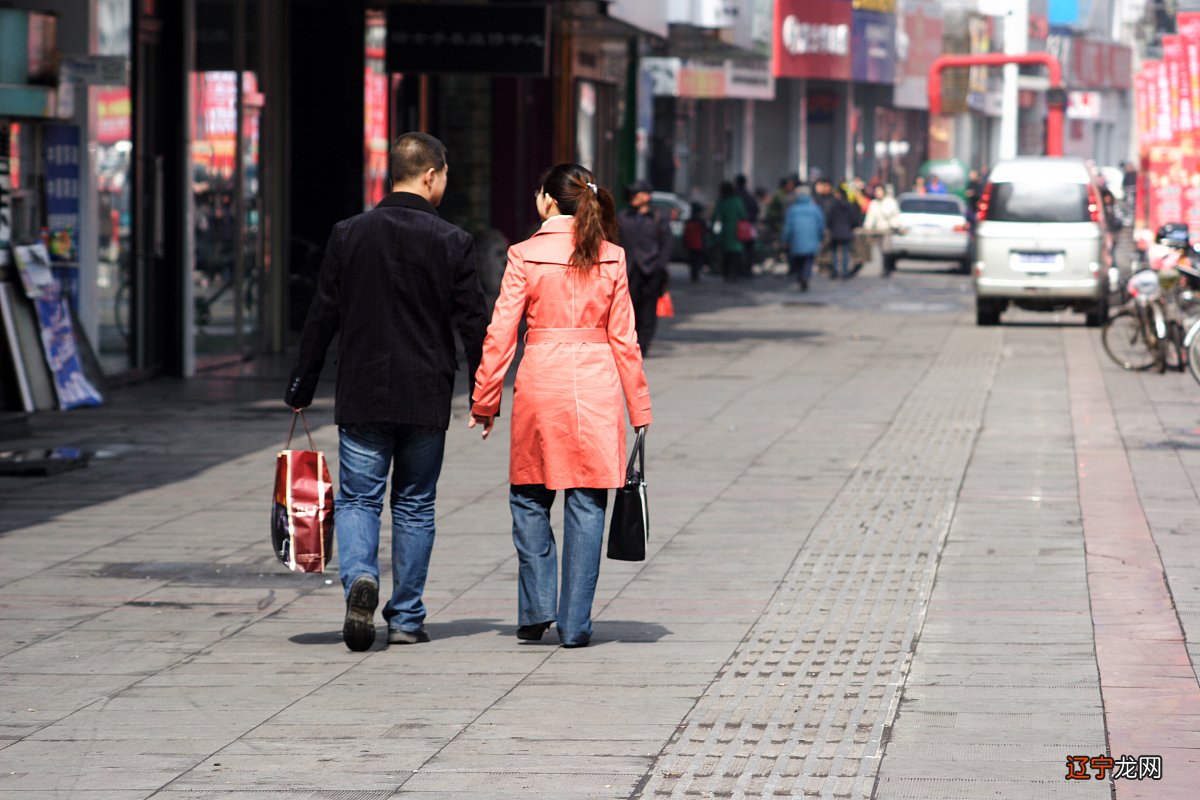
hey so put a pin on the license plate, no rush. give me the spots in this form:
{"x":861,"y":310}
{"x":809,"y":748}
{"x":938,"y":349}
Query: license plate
{"x":1036,"y":262}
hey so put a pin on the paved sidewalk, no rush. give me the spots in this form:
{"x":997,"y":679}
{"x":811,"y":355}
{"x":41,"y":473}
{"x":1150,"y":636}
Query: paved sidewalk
{"x":868,"y":578}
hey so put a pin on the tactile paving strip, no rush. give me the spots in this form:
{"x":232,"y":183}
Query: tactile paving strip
{"x":801,"y":707}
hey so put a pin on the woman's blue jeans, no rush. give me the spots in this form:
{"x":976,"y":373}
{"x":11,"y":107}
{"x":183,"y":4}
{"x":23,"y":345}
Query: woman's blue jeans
{"x":537,"y":557}
{"x":365,"y":453}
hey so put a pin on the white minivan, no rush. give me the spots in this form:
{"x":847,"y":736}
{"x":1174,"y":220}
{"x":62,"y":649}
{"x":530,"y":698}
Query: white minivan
{"x":1039,"y":240}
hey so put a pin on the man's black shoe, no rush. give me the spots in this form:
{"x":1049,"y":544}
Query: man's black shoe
{"x":358,"y":630}
{"x":398,"y":636}
{"x":532,"y":633}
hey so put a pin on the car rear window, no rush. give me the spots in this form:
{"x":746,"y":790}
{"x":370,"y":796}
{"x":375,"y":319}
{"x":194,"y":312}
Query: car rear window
{"x":928,"y":205}
{"x":1039,"y":202}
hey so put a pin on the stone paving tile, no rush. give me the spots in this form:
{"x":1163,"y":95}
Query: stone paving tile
{"x":794,"y":542}
{"x":874,"y":552}
{"x":1008,"y":688}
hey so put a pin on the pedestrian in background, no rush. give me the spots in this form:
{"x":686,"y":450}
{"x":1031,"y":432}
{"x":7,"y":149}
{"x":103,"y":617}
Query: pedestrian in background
{"x":646,"y":236}
{"x":777,"y":207}
{"x":823,"y":197}
{"x":728,"y":213}
{"x":751,"y":205}
{"x":840,"y":221}
{"x":568,"y":425}
{"x":1129,"y":180}
{"x":803,"y":231}
{"x":393,"y":281}
{"x":883,"y":216}
{"x":695,"y":240}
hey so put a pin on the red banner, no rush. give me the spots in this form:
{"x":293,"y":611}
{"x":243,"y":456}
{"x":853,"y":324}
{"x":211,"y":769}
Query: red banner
{"x":812,"y":40}
{"x":1175,"y":59}
{"x":113,"y":116}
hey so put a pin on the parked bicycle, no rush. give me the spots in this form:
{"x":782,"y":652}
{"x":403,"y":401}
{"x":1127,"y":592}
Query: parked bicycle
{"x":1155,"y":327}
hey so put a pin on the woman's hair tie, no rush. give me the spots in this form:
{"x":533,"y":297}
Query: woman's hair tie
{"x":592,"y":186}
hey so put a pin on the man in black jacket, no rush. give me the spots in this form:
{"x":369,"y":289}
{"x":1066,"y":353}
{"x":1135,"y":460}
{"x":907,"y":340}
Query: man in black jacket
{"x":646,"y":237}
{"x":392,"y":282}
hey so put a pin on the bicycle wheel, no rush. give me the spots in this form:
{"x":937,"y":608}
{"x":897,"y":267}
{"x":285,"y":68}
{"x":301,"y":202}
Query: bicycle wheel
{"x":1193,"y":356}
{"x":1161,"y":344}
{"x":1176,"y":356}
{"x":1124,"y":339}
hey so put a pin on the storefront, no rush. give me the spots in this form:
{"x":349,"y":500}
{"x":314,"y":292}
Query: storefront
{"x":812,"y":59}
{"x":54,"y":187}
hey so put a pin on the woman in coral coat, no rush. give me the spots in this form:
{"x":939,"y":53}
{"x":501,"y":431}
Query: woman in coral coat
{"x":581,"y":354}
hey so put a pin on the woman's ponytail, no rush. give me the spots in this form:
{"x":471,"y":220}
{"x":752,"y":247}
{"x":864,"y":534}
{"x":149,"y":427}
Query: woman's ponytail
{"x":574,"y":189}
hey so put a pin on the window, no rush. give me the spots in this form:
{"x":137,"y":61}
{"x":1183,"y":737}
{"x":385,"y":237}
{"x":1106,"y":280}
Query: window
{"x":930,"y":205}
{"x":1039,"y":202}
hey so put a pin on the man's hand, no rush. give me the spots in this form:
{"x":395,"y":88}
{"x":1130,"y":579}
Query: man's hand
{"x":486,"y":422}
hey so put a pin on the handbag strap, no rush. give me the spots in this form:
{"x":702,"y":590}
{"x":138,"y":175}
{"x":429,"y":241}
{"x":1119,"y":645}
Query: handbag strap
{"x":638,"y":452}
{"x":299,"y":413}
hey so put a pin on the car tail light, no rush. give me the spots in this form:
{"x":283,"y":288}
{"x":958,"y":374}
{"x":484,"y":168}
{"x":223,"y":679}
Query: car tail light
{"x":984,"y":201}
{"x":962,"y":227}
{"x":1094,"y":202}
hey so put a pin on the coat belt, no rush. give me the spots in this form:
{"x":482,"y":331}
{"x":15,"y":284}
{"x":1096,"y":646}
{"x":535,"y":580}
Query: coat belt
{"x":566,"y":335}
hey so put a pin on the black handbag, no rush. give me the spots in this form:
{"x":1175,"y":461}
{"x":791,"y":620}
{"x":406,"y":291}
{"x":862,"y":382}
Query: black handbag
{"x":629,"y":529}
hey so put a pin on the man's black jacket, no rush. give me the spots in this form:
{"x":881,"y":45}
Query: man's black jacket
{"x":646,"y":239}
{"x":392,"y":281}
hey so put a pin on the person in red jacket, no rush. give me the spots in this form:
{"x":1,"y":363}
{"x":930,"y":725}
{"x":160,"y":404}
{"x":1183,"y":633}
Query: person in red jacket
{"x":581,"y":369}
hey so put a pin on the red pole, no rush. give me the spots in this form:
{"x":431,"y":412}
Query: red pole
{"x":1054,"y":116}
{"x":1054,"y":129}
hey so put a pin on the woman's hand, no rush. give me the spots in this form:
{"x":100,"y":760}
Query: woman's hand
{"x":486,"y":422}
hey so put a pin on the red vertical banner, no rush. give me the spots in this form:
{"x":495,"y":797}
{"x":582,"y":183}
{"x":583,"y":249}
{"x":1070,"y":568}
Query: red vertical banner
{"x":1141,"y":88}
{"x":1158,"y":97}
{"x":1188,"y":25}
{"x":1180,"y":150}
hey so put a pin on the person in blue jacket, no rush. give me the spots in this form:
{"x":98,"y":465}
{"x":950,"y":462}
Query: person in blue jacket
{"x":803,"y":229}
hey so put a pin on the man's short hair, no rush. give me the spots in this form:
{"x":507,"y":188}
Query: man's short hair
{"x":413,"y":153}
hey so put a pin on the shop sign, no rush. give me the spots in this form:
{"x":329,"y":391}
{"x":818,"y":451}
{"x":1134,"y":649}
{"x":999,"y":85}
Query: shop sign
{"x":1083,"y":105}
{"x":919,"y":43}
{"x":96,"y":70}
{"x":882,"y":6}
{"x":664,"y":75}
{"x":750,"y":80}
{"x":710,"y":78}
{"x":1100,"y":65}
{"x":873,"y":47}
{"x":491,"y":39}
{"x":812,"y":40}
{"x":822,"y":106}
{"x":1067,"y":12}
{"x":703,"y":13}
{"x":113,"y":116}
{"x":62,"y":190}
{"x":702,"y":79}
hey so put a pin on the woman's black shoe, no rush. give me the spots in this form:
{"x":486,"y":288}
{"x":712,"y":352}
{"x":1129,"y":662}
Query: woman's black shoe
{"x":532,"y":633}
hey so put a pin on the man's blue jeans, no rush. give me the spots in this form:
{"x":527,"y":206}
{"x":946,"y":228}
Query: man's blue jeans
{"x":841,"y":259}
{"x":365,"y":453}
{"x":537,"y":557}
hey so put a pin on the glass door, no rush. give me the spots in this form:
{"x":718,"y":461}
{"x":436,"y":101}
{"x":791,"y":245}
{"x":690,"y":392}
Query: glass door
{"x":226,"y":113}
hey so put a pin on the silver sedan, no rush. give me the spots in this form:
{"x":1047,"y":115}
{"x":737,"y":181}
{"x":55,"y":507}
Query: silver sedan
{"x":932,"y":227}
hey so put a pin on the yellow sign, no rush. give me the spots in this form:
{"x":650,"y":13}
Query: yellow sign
{"x":884,"y":6}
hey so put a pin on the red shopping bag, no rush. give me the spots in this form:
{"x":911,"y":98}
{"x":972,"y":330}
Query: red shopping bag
{"x":665,"y":306}
{"x":302,"y":512}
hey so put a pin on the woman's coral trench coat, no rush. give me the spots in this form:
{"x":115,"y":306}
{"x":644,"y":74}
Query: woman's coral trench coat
{"x":581,"y":354}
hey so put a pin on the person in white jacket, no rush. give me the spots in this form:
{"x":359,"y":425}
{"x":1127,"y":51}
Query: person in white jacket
{"x":883,"y":217}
